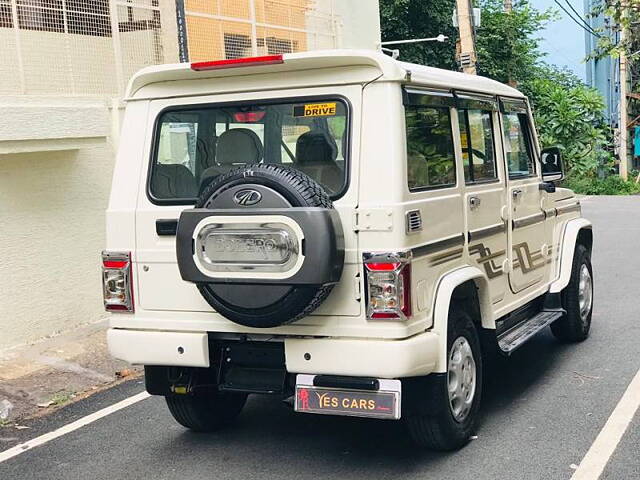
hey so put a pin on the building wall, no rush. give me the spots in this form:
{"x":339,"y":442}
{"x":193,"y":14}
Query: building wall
{"x":58,"y":131}
{"x":219,"y":29}
{"x":360,"y":23}
{"x":43,"y":60}
{"x":55,"y":171}
{"x":603,"y":74}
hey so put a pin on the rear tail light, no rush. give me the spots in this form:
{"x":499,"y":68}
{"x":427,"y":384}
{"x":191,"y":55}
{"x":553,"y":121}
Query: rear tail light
{"x":117,"y":285}
{"x":388,"y":285}
{"x":238,"y":62}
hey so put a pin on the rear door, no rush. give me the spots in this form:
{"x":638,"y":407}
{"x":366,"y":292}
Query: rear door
{"x":530,"y":262}
{"x":183,"y":142}
{"x":485,"y":199}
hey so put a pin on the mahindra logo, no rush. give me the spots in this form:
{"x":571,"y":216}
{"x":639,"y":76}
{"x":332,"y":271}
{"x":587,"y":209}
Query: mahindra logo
{"x":247,"y":197}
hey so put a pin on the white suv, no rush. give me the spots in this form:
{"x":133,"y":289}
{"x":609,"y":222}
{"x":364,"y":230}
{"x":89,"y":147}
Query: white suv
{"x":340,"y":228}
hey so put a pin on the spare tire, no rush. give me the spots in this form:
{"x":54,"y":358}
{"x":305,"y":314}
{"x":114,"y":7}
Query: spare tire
{"x":269,"y":190}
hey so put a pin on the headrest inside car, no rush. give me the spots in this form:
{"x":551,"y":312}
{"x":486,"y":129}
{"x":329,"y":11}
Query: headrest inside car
{"x":316,"y":147}
{"x":239,"y":145}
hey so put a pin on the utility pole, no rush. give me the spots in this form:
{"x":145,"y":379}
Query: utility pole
{"x":467,"y":53}
{"x":508,"y":8}
{"x":622,"y":128}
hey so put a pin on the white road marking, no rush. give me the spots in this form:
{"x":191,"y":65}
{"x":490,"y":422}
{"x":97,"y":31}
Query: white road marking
{"x":47,"y":437}
{"x":593,"y":463}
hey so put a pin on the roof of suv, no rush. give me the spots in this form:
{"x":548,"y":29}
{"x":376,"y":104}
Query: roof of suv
{"x":390,"y":70}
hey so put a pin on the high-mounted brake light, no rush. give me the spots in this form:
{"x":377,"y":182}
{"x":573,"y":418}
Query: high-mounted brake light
{"x":117,"y":285}
{"x":248,"y":117}
{"x":238,"y":62}
{"x":388,"y":285}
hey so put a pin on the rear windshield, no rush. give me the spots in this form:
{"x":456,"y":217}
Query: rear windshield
{"x":195,"y":145}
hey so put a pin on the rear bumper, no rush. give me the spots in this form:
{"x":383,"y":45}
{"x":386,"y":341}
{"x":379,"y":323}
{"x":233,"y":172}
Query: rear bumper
{"x":143,"y":347}
{"x":410,"y":357}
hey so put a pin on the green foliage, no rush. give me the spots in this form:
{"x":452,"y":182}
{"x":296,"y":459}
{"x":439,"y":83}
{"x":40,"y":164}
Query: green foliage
{"x":570,"y":115}
{"x":506,"y":44}
{"x":405,"y":19}
{"x":611,"y":185}
{"x":623,"y":14}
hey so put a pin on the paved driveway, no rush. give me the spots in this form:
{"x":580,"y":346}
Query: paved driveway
{"x":541,"y":412}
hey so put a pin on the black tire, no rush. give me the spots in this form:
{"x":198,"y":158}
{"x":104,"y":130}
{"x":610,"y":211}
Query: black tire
{"x":291,"y":304}
{"x":206,"y":411}
{"x":435,"y":427}
{"x":299,"y":189}
{"x":575,"y":325}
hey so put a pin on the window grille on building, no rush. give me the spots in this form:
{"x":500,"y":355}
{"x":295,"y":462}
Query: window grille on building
{"x":227,"y":29}
{"x":78,"y":47}
{"x":93,"y":47}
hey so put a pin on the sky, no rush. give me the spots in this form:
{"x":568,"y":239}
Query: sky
{"x":563,"y":40}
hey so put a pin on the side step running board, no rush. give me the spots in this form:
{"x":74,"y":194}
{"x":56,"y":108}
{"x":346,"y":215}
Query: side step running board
{"x":518,"y":335}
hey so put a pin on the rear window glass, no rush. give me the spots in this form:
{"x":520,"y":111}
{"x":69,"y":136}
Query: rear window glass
{"x":194,"y":146}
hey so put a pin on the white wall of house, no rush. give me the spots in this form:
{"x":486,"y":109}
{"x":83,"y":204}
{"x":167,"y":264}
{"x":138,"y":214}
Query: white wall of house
{"x":59,"y":121}
{"x":360,"y":23}
{"x":56,"y":161}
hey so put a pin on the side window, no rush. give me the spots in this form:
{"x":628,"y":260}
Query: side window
{"x":178,"y":144}
{"x":174,"y":173}
{"x":478,"y":146}
{"x":518,"y":147}
{"x":430,"y":152}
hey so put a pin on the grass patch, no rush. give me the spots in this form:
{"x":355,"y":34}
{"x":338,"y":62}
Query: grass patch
{"x":61,"y":398}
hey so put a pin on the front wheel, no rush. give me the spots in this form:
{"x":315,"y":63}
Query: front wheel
{"x":577,"y":300}
{"x":206,"y":411}
{"x":450,"y":402}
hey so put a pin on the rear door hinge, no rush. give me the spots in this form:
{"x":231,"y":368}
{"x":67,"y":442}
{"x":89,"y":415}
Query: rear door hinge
{"x":373,"y":220}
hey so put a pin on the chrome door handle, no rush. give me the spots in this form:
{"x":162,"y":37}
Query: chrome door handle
{"x":474,"y":202}
{"x":517,"y":193}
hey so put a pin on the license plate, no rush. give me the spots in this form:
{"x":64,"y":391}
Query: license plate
{"x":383,"y":403}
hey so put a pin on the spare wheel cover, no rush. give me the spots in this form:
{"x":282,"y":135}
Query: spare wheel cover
{"x":252,"y":189}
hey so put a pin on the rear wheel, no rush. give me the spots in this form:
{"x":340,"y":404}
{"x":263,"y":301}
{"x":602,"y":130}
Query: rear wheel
{"x":453,"y":399}
{"x":206,"y":411}
{"x":577,"y":300}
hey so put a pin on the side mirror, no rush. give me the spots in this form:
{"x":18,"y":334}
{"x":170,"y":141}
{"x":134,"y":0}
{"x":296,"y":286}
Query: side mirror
{"x":552,"y":170}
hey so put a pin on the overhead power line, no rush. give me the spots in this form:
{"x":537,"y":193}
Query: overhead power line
{"x":586,"y":27}
{"x":582,"y":19}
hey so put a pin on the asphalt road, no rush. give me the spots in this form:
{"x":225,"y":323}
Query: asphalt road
{"x":541,"y":412}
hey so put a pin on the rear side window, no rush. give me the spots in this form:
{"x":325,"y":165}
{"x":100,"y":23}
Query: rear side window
{"x":518,"y":147}
{"x":478,"y":146}
{"x":195,"y":145}
{"x":430,"y":152}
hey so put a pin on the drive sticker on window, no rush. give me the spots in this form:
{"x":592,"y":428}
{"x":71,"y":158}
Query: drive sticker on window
{"x":315,"y":110}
